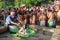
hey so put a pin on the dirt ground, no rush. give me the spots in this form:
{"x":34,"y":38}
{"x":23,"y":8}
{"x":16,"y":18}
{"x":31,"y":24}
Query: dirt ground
{"x":49,"y":34}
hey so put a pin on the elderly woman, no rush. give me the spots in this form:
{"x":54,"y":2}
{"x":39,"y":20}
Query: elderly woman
{"x":2,"y":27}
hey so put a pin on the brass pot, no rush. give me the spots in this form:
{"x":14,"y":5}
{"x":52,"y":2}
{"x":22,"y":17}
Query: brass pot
{"x":3,"y":28}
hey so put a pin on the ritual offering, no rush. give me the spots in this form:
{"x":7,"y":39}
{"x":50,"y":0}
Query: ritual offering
{"x":24,"y":32}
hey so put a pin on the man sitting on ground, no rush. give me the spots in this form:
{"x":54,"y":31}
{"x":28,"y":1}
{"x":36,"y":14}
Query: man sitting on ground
{"x":12,"y":19}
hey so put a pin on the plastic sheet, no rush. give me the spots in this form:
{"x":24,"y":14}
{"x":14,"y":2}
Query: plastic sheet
{"x":31,"y":33}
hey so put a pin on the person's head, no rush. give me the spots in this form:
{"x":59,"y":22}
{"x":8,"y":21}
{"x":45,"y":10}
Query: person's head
{"x":12,"y":14}
{"x":20,"y":17}
{"x":50,"y":11}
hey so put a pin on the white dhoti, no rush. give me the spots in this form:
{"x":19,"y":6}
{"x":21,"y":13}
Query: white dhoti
{"x":42,"y":23}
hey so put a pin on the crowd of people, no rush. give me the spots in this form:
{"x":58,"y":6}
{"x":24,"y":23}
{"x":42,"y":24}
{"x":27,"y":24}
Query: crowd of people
{"x":46,"y":15}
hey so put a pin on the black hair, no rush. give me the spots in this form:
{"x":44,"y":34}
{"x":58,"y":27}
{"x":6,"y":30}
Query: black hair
{"x":49,"y":10}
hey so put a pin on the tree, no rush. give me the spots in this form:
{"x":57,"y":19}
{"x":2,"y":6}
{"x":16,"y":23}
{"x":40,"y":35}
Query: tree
{"x":16,"y":3}
{"x":1,"y":4}
{"x":35,"y":2}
